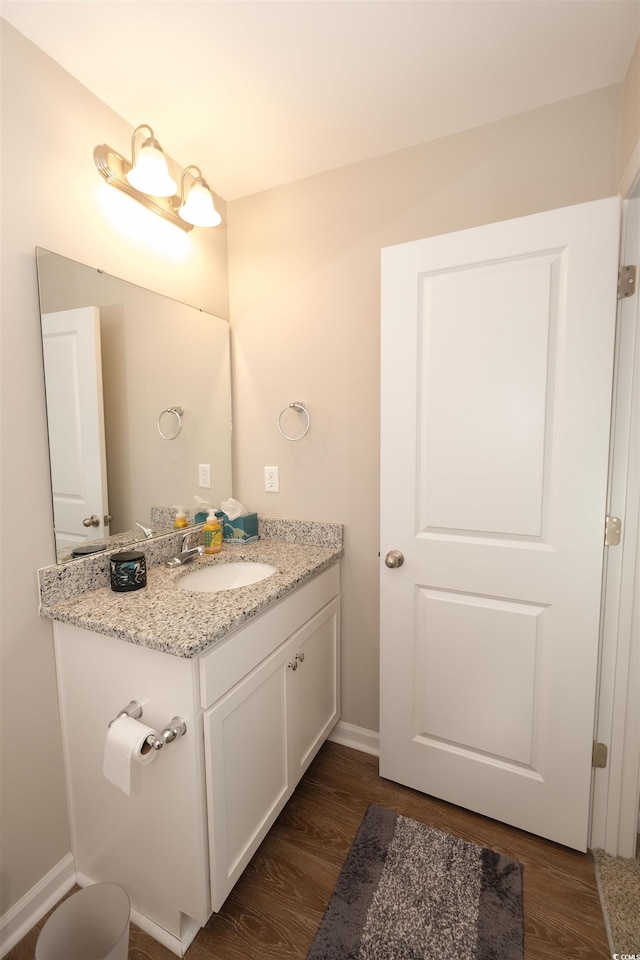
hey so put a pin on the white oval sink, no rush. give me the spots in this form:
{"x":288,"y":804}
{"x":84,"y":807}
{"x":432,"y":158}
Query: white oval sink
{"x":226,"y":576}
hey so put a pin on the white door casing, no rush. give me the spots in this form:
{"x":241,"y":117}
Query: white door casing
{"x":75,"y":418}
{"x":616,"y":787}
{"x":497,"y":352}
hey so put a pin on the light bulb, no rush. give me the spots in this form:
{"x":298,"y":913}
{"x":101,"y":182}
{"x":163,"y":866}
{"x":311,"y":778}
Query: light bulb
{"x":150,"y":174}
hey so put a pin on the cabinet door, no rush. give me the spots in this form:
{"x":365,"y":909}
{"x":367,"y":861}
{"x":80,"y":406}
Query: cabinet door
{"x":314,"y":687}
{"x":260,"y":738}
{"x":248,"y":776}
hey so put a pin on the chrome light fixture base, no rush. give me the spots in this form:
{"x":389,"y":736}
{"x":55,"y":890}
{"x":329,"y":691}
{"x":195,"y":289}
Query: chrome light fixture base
{"x":114,"y":168}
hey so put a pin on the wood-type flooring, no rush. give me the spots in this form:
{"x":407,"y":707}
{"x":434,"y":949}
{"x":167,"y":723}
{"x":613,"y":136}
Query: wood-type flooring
{"x":274,"y":910}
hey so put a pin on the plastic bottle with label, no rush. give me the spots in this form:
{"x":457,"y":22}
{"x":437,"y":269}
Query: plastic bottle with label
{"x":212,"y":534}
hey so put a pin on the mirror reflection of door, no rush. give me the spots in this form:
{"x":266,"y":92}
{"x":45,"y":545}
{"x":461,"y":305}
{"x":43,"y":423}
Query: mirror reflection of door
{"x":73,"y":377}
{"x":156,"y":353}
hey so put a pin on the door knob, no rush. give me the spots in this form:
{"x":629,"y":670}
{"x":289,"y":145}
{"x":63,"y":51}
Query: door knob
{"x":394,"y":558}
{"x":107,"y":519}
{"x":92,"y":521}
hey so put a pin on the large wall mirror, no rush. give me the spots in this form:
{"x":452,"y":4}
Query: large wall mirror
{"x":138,"y":390}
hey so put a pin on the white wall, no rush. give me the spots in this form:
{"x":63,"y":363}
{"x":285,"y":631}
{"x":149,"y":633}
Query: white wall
{"x":304,"y":297}
{"x":52,"y":196}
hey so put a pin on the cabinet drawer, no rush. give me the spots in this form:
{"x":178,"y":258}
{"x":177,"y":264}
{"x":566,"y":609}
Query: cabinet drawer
{"x":233,"y":658}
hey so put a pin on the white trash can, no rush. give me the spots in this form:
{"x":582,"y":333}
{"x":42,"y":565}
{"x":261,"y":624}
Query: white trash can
{"x":91,"y":924}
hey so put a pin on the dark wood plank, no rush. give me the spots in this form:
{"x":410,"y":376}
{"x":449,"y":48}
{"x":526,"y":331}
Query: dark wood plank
{"x":274,"y":910}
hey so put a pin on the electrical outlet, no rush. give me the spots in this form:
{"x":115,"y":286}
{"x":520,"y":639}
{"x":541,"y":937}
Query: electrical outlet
{"x":271,"y":480}
{"x":204,"y":475}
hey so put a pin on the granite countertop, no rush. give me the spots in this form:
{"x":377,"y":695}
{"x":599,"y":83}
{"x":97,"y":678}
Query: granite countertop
{"x":184,"y":623}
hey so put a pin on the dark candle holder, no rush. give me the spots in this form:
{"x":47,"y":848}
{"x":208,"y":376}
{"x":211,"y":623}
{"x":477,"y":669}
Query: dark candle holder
{"x":128,"y":571}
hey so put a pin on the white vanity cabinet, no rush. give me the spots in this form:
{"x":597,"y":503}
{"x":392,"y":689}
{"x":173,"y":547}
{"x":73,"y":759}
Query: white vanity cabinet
{"x":261,"y":736}
{"x":195,"y":815}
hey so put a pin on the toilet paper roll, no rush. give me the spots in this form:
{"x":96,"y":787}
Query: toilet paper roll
{"x":125,"y":745}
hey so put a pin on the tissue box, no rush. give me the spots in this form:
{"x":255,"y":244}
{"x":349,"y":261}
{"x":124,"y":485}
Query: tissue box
{"x":241,"y":530}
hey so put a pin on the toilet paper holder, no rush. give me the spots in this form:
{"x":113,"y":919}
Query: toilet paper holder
{"x":174,"y":729}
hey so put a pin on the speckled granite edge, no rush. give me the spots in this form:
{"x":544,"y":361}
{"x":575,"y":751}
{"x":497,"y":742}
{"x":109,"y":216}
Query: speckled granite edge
{"x":319,"y":533}
{"x":164,"y":516}
{"x":184,"y":623}
{"x":63,"y":581}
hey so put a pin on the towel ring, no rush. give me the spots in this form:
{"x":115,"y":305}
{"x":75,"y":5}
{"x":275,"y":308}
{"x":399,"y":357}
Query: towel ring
{"x":177,"y":413}
{"x":300,"y":407}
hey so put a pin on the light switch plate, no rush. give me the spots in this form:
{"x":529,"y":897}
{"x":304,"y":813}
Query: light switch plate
{"x":204,"y":475}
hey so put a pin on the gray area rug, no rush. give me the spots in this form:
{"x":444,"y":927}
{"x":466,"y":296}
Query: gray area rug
{"x":410,"y":892}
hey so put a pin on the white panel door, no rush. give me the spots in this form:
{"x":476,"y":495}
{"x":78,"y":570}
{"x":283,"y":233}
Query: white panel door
{"x":497,"y":356}
{"x":75,"y":416}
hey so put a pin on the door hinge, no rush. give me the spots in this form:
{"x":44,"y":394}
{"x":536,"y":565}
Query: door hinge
{"x":599,"y":754}
{"x":627,"y":281}
{"x":612,"y":527}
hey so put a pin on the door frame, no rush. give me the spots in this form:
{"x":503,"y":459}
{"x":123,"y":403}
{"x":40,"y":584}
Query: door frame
{"x":616,"y":788}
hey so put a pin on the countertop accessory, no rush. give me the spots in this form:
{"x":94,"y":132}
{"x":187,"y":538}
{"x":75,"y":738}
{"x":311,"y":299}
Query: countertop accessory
{"x":177,"y":412}
{"x":87,"y":549}
{"x":128,"y":571}
{"x":242,"y":529}
{"x":300,"y":407}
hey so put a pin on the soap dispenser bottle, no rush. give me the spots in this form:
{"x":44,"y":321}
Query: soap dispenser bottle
{"x":212,"y":534}
{"x":181,"y":519}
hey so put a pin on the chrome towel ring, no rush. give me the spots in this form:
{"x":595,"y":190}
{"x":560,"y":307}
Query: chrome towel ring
{"x":177,"y":412}
{"x":300,"y":407}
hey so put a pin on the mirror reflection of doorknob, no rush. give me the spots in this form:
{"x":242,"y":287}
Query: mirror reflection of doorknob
{"x":92,"y":521}
{"x":394,"y":559}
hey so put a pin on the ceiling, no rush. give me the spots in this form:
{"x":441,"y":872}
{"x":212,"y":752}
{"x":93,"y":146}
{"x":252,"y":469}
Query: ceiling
{"x":263,"y":92}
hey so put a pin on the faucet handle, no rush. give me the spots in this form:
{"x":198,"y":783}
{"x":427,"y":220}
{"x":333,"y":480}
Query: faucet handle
{"x":148,"y":532}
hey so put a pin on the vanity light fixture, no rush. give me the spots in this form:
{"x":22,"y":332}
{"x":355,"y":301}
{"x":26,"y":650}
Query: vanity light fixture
{"x":146,"y":178}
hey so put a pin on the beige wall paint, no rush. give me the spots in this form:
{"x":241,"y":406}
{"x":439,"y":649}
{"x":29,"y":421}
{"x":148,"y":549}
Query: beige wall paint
{"x":630,"y":127}
{"x":304,"y":295}
{"x":51,"y":197}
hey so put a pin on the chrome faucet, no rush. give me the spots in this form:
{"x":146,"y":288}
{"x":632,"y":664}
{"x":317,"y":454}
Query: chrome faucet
{"x":186,"y":553}
{"x":148,"y":532}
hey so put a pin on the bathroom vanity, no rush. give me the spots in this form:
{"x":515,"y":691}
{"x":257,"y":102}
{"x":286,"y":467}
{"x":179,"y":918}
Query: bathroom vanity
{"x":254,"y":673}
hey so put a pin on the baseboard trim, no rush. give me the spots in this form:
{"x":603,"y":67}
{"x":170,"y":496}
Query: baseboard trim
{"x":603,"y":902}
{"x":190,"y":930}
{"x":159,"y":933}
{"x":359,"y":738}
{"x":23,"y":915}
